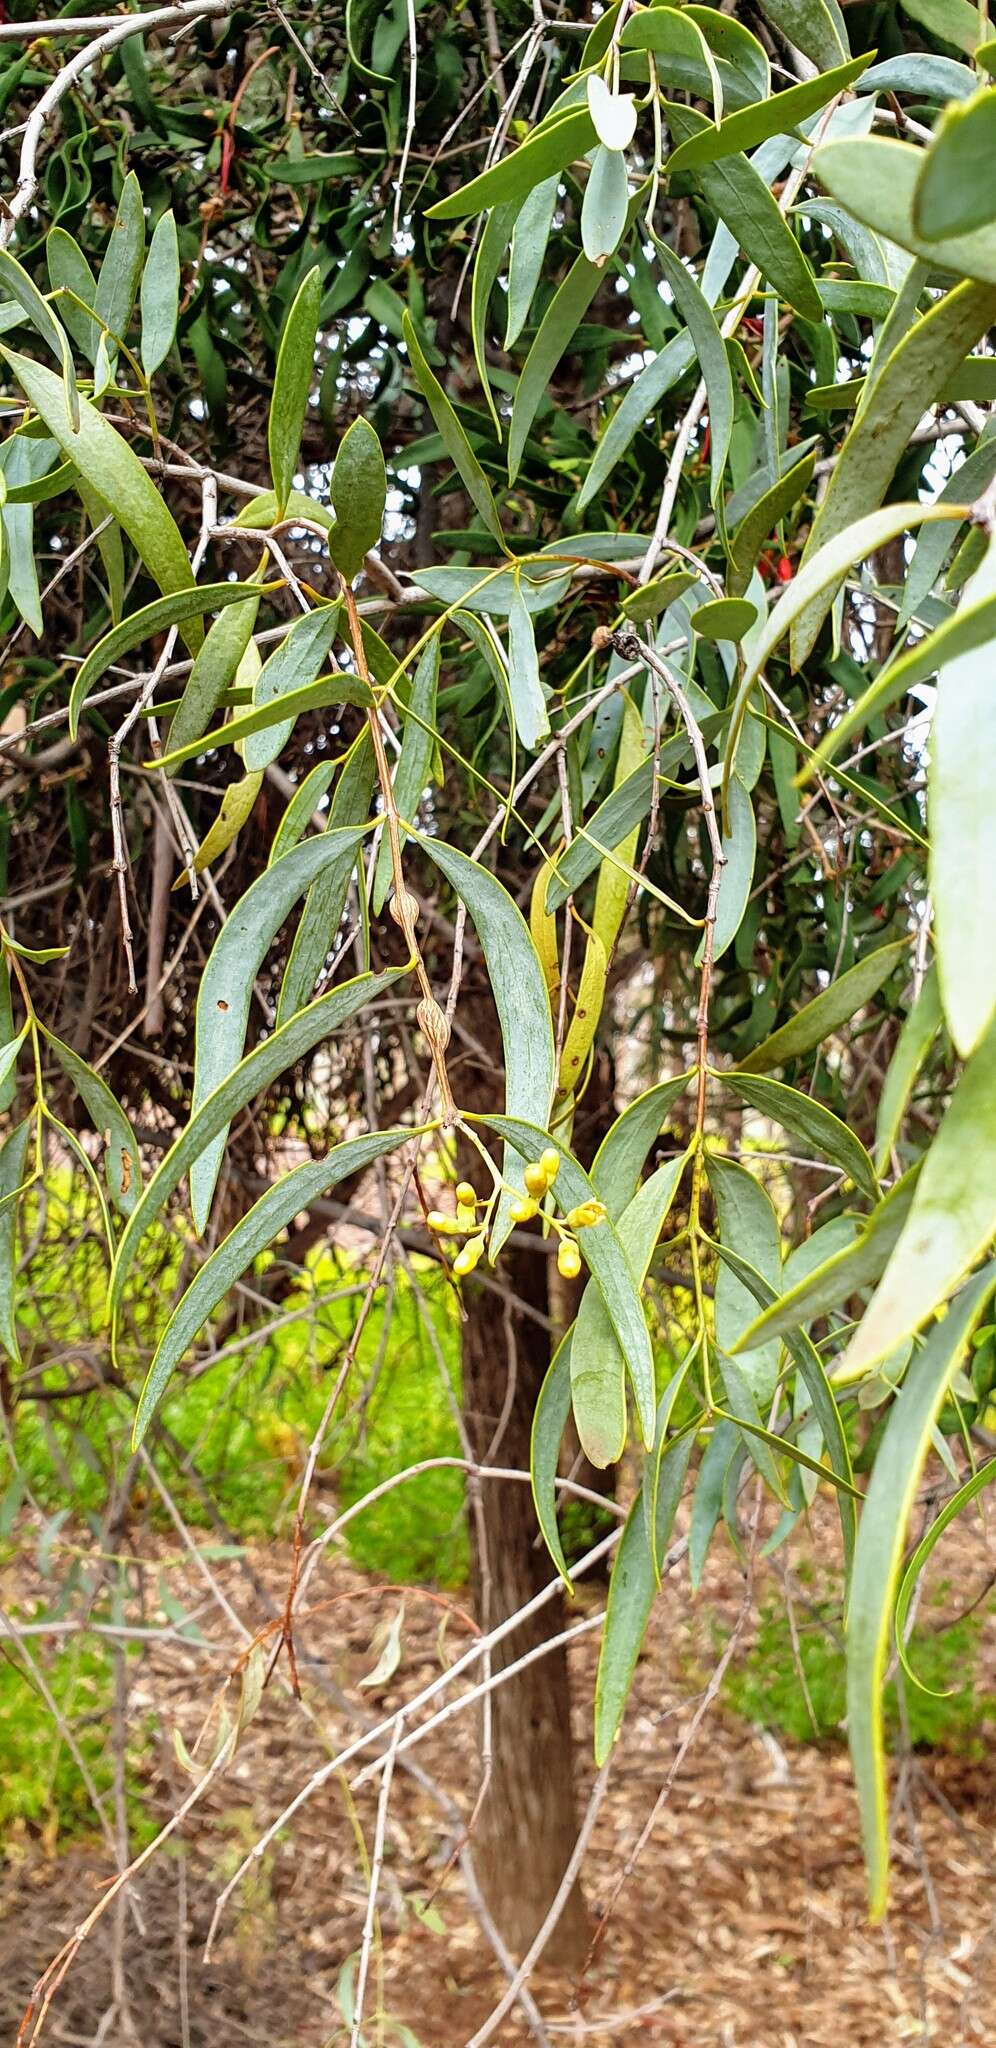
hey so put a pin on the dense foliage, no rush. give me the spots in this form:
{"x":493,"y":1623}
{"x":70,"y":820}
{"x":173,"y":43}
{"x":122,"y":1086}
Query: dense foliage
{"x":543,"y":479}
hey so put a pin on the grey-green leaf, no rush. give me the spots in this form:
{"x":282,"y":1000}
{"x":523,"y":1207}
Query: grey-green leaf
{"x":714,"y":362}
{"x":454,"y":439}
{"x":530,"y":236}
{"x":121,"y":268}
{"x":551,"y":147}
{"x":318,"y":927}
{"x":962,"y":817}
{"x":160,"y":294}
{"x":253,"y":1234}
{"x":920,"y":1028}
{"x":215,"y":666}
{"x":358,"y":496}
{"x":414,"y":760}
{"x":631,"y":1597}
{"x":292,"y":385}
{"x":122,"y":1159}
{"x":223,"y":999}
{"x":825,"y":1014}
{"x":816,"y":27}
{"x":888,"y":1506}
{"x":809,"y":1120}
{"x":274,"y":1056}
{"x":951,"y":1221}
{"x":605,"y":203}
{"x":156,"y":617}
{"x":747,"y":1225}
{"x":532,"y":722}
{"x":553,"y":1407}
{"x":620,"y":1158}
{"x":292,"y":666}
{"x":598,"y":1366}
{"x":13,"y":1157}
{"x":819,"y":1289}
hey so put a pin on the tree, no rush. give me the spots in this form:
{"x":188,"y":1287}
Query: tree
{"x":569,"y":541}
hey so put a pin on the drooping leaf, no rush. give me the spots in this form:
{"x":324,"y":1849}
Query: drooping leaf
{"x":598,"y":1366}
{"x":816,"y":27}
{"x":253,"y":1234}
{"x":775,"y":116}
{"x":553,"y":1406}
{"x":747,"y":1225}
{"x":15,"y":280}
{"x":738,"y":193}
{"x":917,"y":367}
{"x":605,"y":204}
{"x":292,"y":385}
{"x":532,"y":721}
{"x":530,"y":236}
{"x":551,"y":147}
{"x":122,"y":1159}
{"x":620,"y":1158}
{"x":714,"y":362}
{"x":13,"y":1161}
{"x":952,"y":21}
{"x":724,"y":1444}
{"x":835,"y":1006}
{"x":888,"y":1505}
{"x":631,"y":1597}
{"x":521,"y":1000}
{"x":962,"y":816}
{"x":358,"y":495}
{"x":454,"y":439}
{"x":611,"y":824}
{"x":604,"y":1256}
{"x":613,"y":885}
{"x":950,"y":1224}
{"x":563,"y":315}
{"x":810,"y":1121}
{"x":739,"y":851}
{"x":160,"y":295}
{"x":318,"y":927}
{"x":216,"y":665}
{"x":920,"y":1028}
{"x":72,"y":279}
{"x":947,"y":1514}
{"x":293,"y":665}
{"x":225,"y":993}
{"x":153,"y":618}
{"x":117,"y":282}
{"x":818,"y":1290}
{"x":414,"y":760}
{"x":105,"y":460}
{"x":236,"y":808}
{"x":274,"y":1056}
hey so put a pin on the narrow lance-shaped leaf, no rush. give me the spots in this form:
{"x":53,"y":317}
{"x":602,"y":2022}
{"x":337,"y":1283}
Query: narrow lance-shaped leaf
{"x":847,"y":1268}
{"x":160,"y":295}
{"x":812,"y":1122}
{"x":120,"y":270}
{"x":604,"y":1256}
{"x":962,"y":818}
{"x":747,"y":1225}
{"x":105,"y":460}
{"x":530,"y":236}
{"x":598,"y":1366}
{"x":521,"y":999}
{"x":488,"y":262}
{"x":15,"y":280}
{"x":735,"y":188}
{"x":358,"y":496}
{"x":318,"y":927}
{"x":888,"y":1505}
{"x":292,"y":666}
{"x":532,"y":722}
{"x":776,"y":116}
{"x":414,"y":761}
{"x":223,"y":998}
{"x":951,"y":1222}
{"x":714,"y":362}
{"x":156,"y":617}
{"x":920,"y":1028}
{"x":620,"y":1158}
{"x":549,"y":149}
{"x":949,"y":1513}
{"x":274,"y":1056}
{"x":292,"y":385}
{"x":553,"y":1406}
{"x":7,"y":1035}
{"x":739,"y":850}
{"x":216,"y":665}
{"x":631,"y":1597}
{"x":560,"y":322}
{"x":13,"y":1161}
{"x":918,"y":366}
{"x":337,"y":688}
{"x":122,"y":1159}
{"x":816,"y":27}
{"x":613,"y":885}
{"x":760,"y":522}
{"x":828,"y":1011}
{"x":253,"y":1234}
{"x":454,"y":439}
{"x":234,"y":811}
{"x":71,"y":277}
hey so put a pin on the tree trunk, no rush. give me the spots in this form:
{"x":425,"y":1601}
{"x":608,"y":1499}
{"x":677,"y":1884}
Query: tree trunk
{"x":528,"y":1823}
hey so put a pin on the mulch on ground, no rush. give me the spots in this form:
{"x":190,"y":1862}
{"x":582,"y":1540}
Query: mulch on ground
{"x":743,"y":1925}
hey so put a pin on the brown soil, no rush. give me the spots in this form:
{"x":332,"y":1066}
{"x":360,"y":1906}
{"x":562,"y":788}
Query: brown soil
{"x":743,"y":1926}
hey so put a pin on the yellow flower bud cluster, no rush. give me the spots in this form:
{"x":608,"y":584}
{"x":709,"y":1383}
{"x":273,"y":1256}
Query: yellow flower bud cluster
{"x":540,"y":1176}
{"x":463,"y":1224}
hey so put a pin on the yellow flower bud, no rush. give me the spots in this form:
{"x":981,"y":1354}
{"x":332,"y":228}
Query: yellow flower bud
{"x":536,"y":1180}
{"x":568,"y":1259}
{"x":586,"y":1214}
{"x":465,"y":1194}
{"x":466,"y":1216}
{"x":468,"y":1257}
{"x":437,"y":1220}
{"x":524,"y":1209}
{"x":550,"y":1162}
